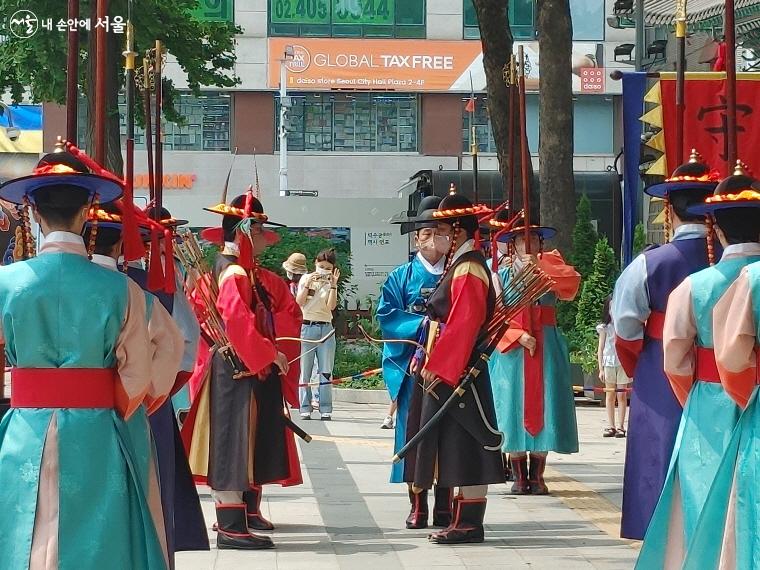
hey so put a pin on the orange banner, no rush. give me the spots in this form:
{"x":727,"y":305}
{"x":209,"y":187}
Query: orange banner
{"x":323,"y":64}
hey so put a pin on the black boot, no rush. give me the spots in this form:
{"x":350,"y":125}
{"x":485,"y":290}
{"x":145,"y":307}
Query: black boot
{"x":467,"y":525}
{"x":520,"y":474}
{"x":233,"y":532}
{"x":252,"y":500}
{"x":536,"y":476}
{"x":418,"y":516}
{"x":442,"y":508}
{"x":508,"y":475}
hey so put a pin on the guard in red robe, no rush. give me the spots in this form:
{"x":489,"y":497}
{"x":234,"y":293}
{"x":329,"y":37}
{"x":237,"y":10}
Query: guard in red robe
{"x":464,"y":449}
{"x":236,"y":434}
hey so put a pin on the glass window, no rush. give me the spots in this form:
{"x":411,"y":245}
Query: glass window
{"x":347,"y":18}
{"x":206,"y":127}
{"x":592,"y":115}
{"x":357,"y":122}
{"x":520,"y":14}
{"x":588,"y":20}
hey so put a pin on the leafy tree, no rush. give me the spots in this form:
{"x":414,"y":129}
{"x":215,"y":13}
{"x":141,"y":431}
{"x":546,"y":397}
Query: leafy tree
{"x":584,"y":239}
{"x":204,"y":50}
{"x":639,"y":239}
{"x":597,"y":287}
{"x":582,"y":258}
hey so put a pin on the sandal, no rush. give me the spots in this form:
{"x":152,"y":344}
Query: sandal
{"x":620,"y":433}
{"x":609,"y":432}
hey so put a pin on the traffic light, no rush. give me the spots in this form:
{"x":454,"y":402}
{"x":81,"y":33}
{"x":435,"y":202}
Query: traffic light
{"x":287,"y":124}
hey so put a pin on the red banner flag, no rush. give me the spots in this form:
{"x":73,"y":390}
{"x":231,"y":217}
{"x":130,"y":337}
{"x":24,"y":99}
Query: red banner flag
{"x":706,"y":120}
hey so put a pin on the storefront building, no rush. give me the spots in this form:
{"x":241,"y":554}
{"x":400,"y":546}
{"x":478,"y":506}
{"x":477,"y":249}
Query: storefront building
{"x":377,"y":91}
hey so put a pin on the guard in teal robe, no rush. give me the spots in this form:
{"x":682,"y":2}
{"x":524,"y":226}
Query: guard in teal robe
{"x":709,"y":414}
{"x":533,"y":393}
{"x":76,"y":336}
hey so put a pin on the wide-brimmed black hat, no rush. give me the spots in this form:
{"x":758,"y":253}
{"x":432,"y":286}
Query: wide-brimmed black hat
{"x":422,"y":218}
{"x":694,"y":175}
{"x":165,"y":217}
{"x":455,"y":206}
{"x":736,"y":191}
{"x":544,"y":232}
{"x":60,"y":168}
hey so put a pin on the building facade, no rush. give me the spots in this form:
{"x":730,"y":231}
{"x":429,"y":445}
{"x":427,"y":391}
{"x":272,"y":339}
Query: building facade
{"x":376,"y":91}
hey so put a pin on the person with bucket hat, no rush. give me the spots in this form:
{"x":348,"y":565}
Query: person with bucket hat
{"x":401,"y":315}
{"x":639,"y":300}
{"x":77,"y":338}
{"x":458,"y":451}
{"x":235,"y":433}
{"x":709,"y":413}
{"x":530,"y":369}
{"x":295,"y":268}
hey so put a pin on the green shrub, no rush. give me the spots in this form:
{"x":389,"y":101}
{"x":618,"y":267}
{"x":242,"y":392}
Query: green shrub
{"x":355,"y":357}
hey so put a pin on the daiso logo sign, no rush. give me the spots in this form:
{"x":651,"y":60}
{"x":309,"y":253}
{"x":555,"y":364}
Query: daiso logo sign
{"x":301,"y":60}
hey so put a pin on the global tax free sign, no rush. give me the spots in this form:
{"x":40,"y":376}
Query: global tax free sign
{"x":321,"y":64}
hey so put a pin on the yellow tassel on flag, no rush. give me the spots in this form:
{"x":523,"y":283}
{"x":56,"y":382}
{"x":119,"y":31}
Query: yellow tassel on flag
{"x":659,"y":168}
{"x":654,"y":95}
{"x":653,"y":117}
{"x":657,"y":142}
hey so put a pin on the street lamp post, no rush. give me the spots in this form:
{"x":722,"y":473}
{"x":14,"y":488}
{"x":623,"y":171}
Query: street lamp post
{"x":288,"y":55}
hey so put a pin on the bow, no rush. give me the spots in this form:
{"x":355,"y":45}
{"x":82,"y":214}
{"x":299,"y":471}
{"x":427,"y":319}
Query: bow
{"x":306,"y":340}
{"x":392,"y":340}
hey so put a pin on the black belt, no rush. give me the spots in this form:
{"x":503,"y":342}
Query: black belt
{"x":309,"y":323}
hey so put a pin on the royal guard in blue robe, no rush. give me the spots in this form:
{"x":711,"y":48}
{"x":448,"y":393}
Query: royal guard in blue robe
{"x":638,"y":311}
{"x":76,"y":491}
{"x":401,"y":314}
{"x":709,"y":413}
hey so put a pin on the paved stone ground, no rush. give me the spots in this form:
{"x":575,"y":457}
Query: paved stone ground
{"x":347,"y":515}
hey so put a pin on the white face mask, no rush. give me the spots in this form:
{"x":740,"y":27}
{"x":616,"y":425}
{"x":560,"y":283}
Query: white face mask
{"x":503,"y":248}
{"x":289,"y":274}
{"x":442,"y":244}
{"x":323,"y":271}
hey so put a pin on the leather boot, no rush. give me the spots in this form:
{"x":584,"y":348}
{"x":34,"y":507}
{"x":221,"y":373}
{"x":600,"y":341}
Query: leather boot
{"x":467,"y":525}
{"x":418,"y":516}
{"x":442,"y":508}
{"x":508,"y":475}
{"x":536,"y":476}
{"x":520,"y":474}
{"x":233,"y":530}
{"x":252,"y":500}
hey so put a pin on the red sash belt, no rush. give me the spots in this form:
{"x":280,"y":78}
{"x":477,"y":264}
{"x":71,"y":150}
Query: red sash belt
{"x":63,"y":387}
{"x":533,"y":366}
{"x":655,"y":324}
{"x":707,"y":368}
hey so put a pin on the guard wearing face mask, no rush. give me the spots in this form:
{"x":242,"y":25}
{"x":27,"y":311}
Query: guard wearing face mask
{"x":532,"y":385}
{"x":454,"y":452}
{"x":401,"y":314}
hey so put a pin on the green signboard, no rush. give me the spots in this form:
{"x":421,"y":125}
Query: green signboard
{"x":377,"y":12}
{"x":299,"y":11}
{"x":215,"y":11}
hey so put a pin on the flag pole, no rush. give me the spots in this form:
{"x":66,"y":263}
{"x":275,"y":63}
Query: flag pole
{"x":730,"y":38}
{"x":474,"y":142}
{"x":524,"y":168}
{"x":101,"y":66}
{"x":513,"y":110}
{"x":72,"y":74}
{"x":159,"y":166}
{"x":680,"y":78}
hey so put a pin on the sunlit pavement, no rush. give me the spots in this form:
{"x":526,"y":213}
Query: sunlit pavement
{"x":347,"y":515}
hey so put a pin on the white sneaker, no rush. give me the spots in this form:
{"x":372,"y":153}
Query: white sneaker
{"x":387,"y":423}
{"x":326,"y":417}
{"x":305,"y":416}
{"x":314,"y":404}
